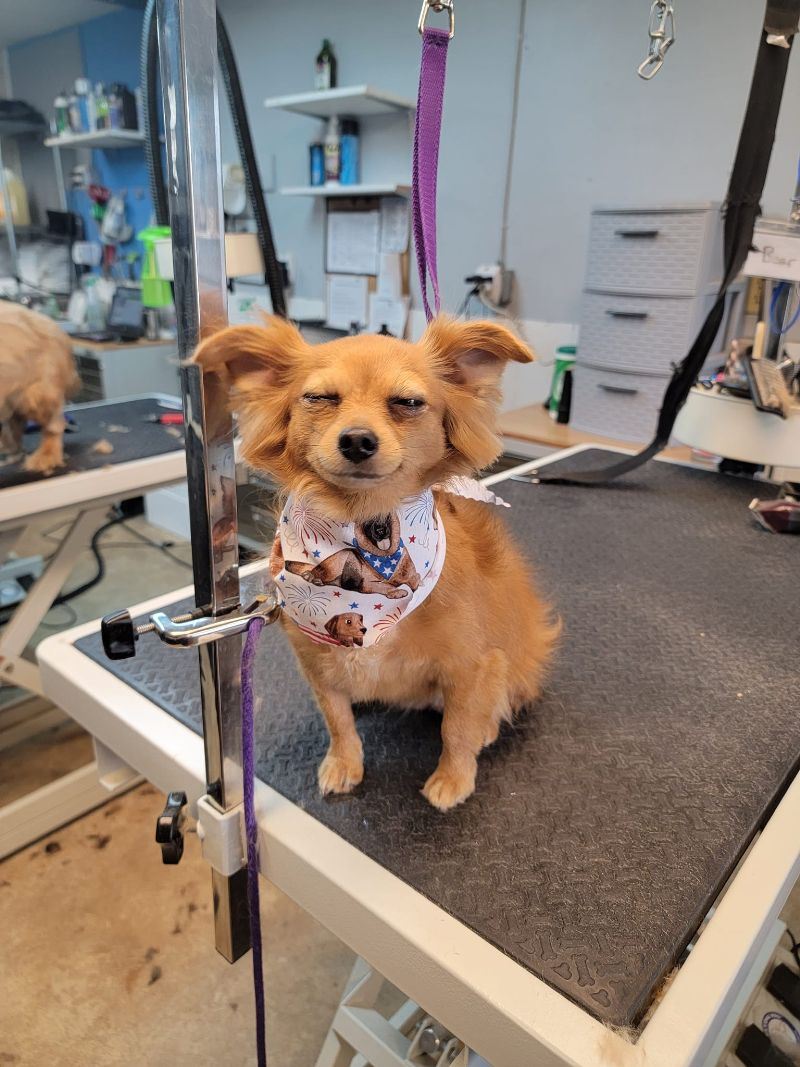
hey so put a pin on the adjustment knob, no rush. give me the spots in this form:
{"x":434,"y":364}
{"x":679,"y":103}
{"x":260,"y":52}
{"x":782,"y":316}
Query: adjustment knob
{"x":168,"y":828}
{"x":119,"y":635}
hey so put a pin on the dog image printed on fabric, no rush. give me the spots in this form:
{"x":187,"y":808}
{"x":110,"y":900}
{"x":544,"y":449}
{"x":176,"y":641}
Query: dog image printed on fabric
{"x":317,"y":562}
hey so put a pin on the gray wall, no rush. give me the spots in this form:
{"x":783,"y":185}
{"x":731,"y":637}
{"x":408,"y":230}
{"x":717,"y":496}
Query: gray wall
{"x":589,"y":130}
{"x":38,"y":72}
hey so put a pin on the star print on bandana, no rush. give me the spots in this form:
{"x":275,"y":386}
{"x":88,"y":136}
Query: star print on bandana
{"x":390,"y":564}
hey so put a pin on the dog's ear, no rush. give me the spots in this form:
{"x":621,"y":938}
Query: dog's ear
{"x":331,"y":625}
{"x":469,"y":358}
{"x":473,"y":353}
{"x":253,"y":356}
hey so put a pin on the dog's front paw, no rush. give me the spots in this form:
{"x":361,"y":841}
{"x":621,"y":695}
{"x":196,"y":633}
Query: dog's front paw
{"x":41,"y":463}
{"x":446,"y":787}
{"x":340,"y":773}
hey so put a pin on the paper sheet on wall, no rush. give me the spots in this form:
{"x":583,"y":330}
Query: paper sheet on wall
{"x":390,"y":275}
{"x":347,"y":301}
{"x":391,"y":312}
{"x":394,"y":224}
{"x":353,"y":238}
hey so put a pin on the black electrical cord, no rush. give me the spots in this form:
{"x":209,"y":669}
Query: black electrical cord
{"x":795,"y":947}
{"x":100,"y":574}
{"x":148,"y":79}
{"x":273,"y":275}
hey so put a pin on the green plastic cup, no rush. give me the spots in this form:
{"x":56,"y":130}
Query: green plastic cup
{"x":156,"y":291}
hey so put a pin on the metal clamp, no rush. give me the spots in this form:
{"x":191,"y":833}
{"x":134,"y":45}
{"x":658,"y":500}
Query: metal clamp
{"x":201,"y":631}
{"x":437,"y":6}
{"x":661,"y":30}
{"x":184,"y":631}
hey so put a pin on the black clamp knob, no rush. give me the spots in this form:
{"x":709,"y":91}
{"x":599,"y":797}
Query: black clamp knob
{"x":168,"y":828}
{"x":119,"y":635}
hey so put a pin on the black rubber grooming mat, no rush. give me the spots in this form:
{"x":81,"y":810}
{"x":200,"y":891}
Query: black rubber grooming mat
{"x":608,"y":819}
{"x":122,"y":423}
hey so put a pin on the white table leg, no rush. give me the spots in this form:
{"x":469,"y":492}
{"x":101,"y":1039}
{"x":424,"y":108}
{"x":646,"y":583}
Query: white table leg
{"x":19,"y":630}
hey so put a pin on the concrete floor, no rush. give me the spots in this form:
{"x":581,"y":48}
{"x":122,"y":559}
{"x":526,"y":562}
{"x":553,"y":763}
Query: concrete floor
{"x":107,"y":956}
{"x":111,"y":952}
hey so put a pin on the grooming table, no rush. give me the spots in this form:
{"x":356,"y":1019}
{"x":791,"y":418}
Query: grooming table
{"x":145,"y":456}
{"x":605,"y":825}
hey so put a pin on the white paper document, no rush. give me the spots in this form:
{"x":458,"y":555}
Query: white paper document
{"x":394,"y":224}
{"x":389,"y":312}
{"x":346,"y":301}
{"x":390,"y":276}
{"x":353,"y":238}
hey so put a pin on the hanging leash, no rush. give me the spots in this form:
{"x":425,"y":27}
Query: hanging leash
{"x":742,"y":208}
{"x":251,"y":832}
{"x":425,"y":160}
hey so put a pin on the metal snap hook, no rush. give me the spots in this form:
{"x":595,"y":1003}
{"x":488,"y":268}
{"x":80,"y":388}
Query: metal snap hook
{"x":437,"y":6}
{"x":661,"y":31}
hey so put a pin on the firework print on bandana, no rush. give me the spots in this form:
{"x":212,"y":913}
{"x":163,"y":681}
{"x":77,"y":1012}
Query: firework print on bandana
{"x":349,"y":584}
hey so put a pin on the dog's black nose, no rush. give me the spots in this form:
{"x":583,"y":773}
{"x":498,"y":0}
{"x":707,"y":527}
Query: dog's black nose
{"x":358,"y":444}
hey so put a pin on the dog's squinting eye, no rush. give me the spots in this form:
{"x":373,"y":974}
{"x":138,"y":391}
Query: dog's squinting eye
{"x":411,"y":404}
{"x":321,"y":398}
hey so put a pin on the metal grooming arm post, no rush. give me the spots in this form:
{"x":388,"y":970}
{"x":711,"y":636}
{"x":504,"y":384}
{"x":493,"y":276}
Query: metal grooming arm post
{"x":187,"y":36}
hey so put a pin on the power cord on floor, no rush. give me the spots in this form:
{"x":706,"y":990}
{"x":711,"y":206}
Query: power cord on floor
{"x":118,"y":518}
{"x":94,"y":548}
{"x":795,"y":947}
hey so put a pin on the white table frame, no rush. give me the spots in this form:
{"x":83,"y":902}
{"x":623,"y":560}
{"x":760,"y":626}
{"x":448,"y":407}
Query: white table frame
{"x":91,"y":492}
{"x":496,"y":1006}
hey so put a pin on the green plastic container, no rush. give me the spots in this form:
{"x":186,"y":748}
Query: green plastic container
{"x":156,"y":291}
{"x":565,"y":360}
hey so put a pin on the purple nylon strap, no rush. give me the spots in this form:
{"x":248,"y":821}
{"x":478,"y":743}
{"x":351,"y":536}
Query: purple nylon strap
{"x":251,"y":831}
{"x":427,"y":129}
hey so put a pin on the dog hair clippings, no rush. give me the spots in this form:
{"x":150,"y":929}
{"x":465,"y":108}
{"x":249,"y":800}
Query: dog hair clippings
{"x":347,"y":584}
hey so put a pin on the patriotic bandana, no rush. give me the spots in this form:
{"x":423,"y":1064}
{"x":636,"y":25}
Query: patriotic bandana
{"x":347,"y":584}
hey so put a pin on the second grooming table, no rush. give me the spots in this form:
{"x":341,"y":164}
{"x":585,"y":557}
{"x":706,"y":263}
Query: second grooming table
{"x":144,"y":456}
{"x":605,"y":824}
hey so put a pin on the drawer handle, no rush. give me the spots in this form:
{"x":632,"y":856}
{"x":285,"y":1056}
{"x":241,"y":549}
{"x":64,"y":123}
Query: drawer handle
{"x":626,"y":314}
{"x":626,"y":389}
{"x":645,"y":234}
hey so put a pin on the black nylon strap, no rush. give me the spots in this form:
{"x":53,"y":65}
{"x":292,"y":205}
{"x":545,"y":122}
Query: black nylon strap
{"x":742,"y":208}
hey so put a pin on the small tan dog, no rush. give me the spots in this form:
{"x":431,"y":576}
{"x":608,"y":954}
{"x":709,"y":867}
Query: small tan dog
{"x":419,"y":413}
{"x":37,"y":375}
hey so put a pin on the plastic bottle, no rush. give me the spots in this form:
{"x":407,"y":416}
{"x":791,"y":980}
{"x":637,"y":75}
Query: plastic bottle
{"x":333,"y":151}
{"x":316,"y":161}
{"x":61,"y":108}
{"x":349,"y":152}
{"x":95,"y":312}
{"x":101,"y":110}
{"x":74,"y":113}
{"x":85,"y":102}
{"x":115,"y":112}
{"x":325,"y":73}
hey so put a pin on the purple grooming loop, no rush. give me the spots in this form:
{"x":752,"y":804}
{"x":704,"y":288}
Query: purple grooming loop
{"x":425,"y":161}
{"x":251,"y":831}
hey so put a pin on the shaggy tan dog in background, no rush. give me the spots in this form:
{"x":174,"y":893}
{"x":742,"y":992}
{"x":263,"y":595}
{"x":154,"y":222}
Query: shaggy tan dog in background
{"x":37,"y":375}
{"x":478,"y":646}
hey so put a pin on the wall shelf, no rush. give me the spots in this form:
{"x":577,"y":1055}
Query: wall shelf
{"x":361,"y":101}
{"x":372,"y":189}
{"x":97,"y":139}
